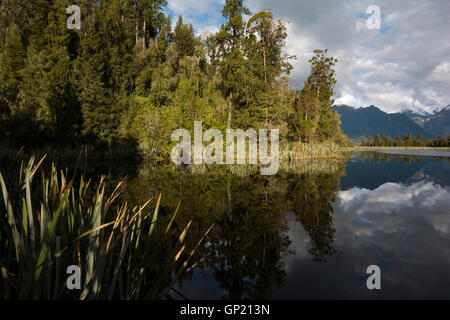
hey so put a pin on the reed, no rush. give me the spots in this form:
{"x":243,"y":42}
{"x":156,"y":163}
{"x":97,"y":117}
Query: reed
{"x":306,"y":151}
{"x":49,"y":224}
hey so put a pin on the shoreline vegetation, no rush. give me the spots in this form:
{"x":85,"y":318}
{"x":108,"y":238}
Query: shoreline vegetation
{"x":51,"y":223}
{"x":408,"y":140}
{"x":361,"y":148}
{"x":310,"y":151}
{"x":122,"y":156}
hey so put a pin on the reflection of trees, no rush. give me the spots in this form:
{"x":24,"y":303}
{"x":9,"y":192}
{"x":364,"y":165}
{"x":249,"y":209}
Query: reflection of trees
{"x":312,"y":197}
{"x":249,"y":239}
{"x":245,"y":253}
{"x":386,"y":157}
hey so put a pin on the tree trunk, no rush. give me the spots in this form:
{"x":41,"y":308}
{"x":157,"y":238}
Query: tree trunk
{"x":265,"y":66}
{"x":143,"y":38}
{"x":230,"y":109}
{"x":265,"y":82}
{"x":137,"y":33}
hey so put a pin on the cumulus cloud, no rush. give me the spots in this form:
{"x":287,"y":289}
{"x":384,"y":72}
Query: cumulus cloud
{"x":405,"y":65}
{"x":396,"y":200}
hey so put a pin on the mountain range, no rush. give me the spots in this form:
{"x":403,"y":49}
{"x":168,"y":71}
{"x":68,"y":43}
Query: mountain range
{"x":437,"y":124}
{"x":358,"y":122}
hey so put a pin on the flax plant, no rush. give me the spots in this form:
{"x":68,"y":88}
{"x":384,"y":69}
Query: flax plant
{"x":49,"y":224}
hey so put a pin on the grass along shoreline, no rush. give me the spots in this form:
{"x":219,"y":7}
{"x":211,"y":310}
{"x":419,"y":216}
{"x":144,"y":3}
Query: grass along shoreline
{"x":358,"y":148}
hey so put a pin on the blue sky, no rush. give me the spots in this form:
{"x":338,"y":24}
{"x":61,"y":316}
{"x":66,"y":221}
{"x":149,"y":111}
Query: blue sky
{"x":205,"y":15}
{"x":404,"y":65}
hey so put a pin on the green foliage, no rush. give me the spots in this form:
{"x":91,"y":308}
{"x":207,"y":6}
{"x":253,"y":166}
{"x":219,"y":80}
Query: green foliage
{"x":408,"y":140}
{"x":126,"y":75}
{"x":12,"y":56}
{"x":184,"y":38}
{"x":314,"y":119}
{"x":51,"y":224}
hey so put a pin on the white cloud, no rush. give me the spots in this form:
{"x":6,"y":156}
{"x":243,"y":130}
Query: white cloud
{"x":346,"y":98}
{"x":204,"y":15}
{"x":395,"y":199}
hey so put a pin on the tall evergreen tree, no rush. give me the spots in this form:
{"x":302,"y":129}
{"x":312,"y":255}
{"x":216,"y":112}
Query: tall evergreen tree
{"x":267,"y":62}
{"x":184,"y":38}
{"x":321,"y":82}
{"x":229,"y":46}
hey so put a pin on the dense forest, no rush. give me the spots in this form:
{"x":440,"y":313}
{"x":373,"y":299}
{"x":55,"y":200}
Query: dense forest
{"x":407,"y":140}
{"x":127,"y":77}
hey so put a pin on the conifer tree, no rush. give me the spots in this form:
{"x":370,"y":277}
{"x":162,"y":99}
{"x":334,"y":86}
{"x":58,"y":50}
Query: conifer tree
{"x":229,"y":44}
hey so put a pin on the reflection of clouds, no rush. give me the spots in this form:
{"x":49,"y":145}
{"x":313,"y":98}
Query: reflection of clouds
{"x":301,"y":242}
{"x":405,"y":229}
{"x":419,"y":198}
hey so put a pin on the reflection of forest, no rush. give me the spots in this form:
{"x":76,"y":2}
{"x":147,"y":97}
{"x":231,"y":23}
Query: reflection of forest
{"x":373,"y":169}
{"x":249,"y":238}
{"x":400,"y":158}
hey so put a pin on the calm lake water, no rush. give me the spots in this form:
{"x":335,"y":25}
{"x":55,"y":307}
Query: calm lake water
{"x":309,"y":232}
{"x":312,"y":234}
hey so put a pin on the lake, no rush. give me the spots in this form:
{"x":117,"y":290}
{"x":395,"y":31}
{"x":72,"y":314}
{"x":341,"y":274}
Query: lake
{"x":311,"y":233}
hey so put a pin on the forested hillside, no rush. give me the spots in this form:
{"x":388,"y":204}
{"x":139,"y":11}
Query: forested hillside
{"x":127,"y":77}
{"x":365,"y":122}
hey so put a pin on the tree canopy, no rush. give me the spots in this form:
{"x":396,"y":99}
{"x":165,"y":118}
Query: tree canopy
{"x":128,"y":75}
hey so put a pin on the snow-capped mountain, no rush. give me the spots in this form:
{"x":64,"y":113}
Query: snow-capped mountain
{"x":437,"y":123}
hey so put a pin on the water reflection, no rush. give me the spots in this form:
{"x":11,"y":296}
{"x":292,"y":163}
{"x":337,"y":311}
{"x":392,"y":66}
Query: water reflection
{"x":312,"y":231}
{"x":372,"y":169}
{"x":244,"y":255}
{"x":401,"y":226}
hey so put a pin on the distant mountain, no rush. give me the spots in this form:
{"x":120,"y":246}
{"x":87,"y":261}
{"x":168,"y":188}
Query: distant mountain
{"x":418,"y":118}
{"x":368,"y":122}
{"x":437,"y":124}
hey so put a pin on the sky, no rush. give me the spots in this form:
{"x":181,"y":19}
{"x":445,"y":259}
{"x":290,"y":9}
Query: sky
{"x":403,"y":65}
